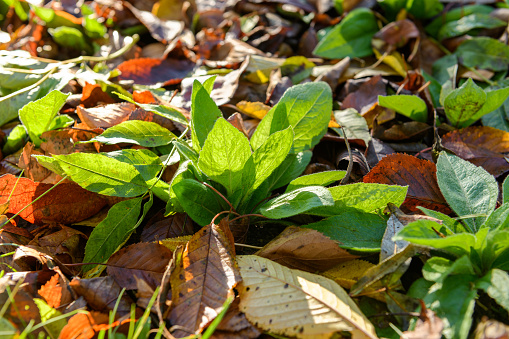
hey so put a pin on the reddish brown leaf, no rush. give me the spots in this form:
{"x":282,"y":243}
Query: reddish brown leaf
{"x":66,"y":203}
{"x":93,"y":95}
{"x":395,"y":35}
{"x":33,"y":170}
{"x":64,"y":243}
{"x":160,"y":227}
{"x":235,"y":325}
{"x":88,"y":325}
{"x":481,"y":145}
{"x":204,"y":276}
{"x":305,"y":249}
{"x":101,"y":294}
{"x":419,"y":175}
{"x":105,"y":116}
{"x":150,"y":71}
{"x":366,"y":96}
{"x":145,"y":261}
{"x":56,"y":292}
{"x":65,"y":141}
{"x":145,"y":97}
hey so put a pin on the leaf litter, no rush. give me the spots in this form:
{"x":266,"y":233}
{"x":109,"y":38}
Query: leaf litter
{"x":238,"y":169}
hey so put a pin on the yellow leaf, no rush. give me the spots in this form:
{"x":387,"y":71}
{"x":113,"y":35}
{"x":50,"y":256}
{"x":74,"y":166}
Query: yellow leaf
{"x":255,"y":110}
{"x":348,"y":273}
{"x":296,"y":303}
{"x":395,"y":61}
{"x":260,"y":76}
{"x":173,"y":243}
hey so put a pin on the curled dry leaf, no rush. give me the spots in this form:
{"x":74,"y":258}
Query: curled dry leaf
{"x":93,"y":95}
{"x":105,"y":116}
{"x":296,"y":303}
{"x":33,"y":170}
{"x":65,"y":141}
{"x":305,"y":249}
{"x":88,"y":325}
{"x":481,"y":145}
{"x":419,"y":175}
{"x":145,"y":261}
{"x":150,"y":71}
{"x":203,"y":279}
{"x":66,"y":203}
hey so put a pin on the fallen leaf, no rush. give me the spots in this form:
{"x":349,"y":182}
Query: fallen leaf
{"x":419,"y":175}
{"x":145,"y":261}
{"x":173,"y":243}
{"x":481,"y":145}
{"x":235,"y":325}
{"x":203,"y":279}
{"x":33,"y":170}
{"x":93,"y":95}
{"x":66,"y":203}
{"x":348,"y":273}
{"x":296,"y":303}
{"x":160,"y":227}
{"x":366,"y":95}
{"x":88,"y":325}
{"x":255,"y":110}
{"x":428,"y":326}
{"x":105,"y":116}
{"x":56,"y":292}
{"x":305,"y":249}
{"x":151,"y":71}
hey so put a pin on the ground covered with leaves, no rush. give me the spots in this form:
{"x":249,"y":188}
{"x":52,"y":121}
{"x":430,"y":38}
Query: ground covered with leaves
{"x":245,"y":169}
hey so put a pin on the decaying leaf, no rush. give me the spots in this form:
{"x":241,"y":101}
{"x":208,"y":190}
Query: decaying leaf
{"x":296,"y":303}
{"x":204,"y":276}
{"x":428,"y":326}
{"x":56,"y":291}
{"x":305,"y":249}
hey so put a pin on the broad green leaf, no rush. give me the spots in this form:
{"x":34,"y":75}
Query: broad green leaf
{"x":468,"y":189}
{"x":354,"y":229}
{"x":204,"y":113}
{"x":498,"y":118}
{"x":484,"y":53}
{"x":103,"y":175}
{"x":453,"y":225}
{"x":61,"y":121}
{"x":499,"y":218}
{"x":306,"y":108}
{"x":143,"y":133}
{"x":148,"y":164}
{"x":496,"y":284}
{"x":493,"y":248}
{"x":271,"y":154}
{"x":112,"y":231}
{"x":164,"y":111}
{"x":505,"y":190}
{"x":199,"y":201}
{"x":391,"y":8}
{"x":366,"y":197}
{"x":72,"y":38}
{"x":185,"y":151}
{"x":424,"y":9}
{"x":321,"y":179}
{"x":351,"y":37}
{"x":454,"y":15}
{"x":437,"y":268}
{"x":296,"y":202}
{"x":37,"y":116}
{"x":186,"y":170}
{"x":93,"y":28}
{"x":453,"y":301}
{"x":15,"y":140}
{"x":50,"y":163}
{"x":494,"y":99}
{"x":410,"y":106}
{"x":467,"y":23}
{"x":463,"y":103}
{"x":424,"y":233}
{"x":224,"y":155}
{"x":353,"y":123}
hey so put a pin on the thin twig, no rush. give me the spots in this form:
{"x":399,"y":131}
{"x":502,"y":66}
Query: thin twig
{"x":350,"y":159}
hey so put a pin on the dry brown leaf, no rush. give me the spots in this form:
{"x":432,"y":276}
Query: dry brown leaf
{"x":366,"y":95}
{"x":93,"y":95}
{"x":66,"y":203}
{"x":33,"y":170}
{"x":105,"y":116}
{"x":56,"y":292}
{"x":419,"y":175}
{"x":151,"y":71}
{"x":235,"y":325}
{"x":491,"y":329}
{"x":145,"y":261}
{"x":160,"y":227}
{"x":88,"y":325}
{"x":203,"y":279}
{"x":482,"y":146}
{"x":305,"y":249}
{"x":296,"y":303}
{"x":428,"y":326}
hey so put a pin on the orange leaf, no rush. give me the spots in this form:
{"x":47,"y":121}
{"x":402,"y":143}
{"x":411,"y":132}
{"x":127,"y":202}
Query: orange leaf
{"x":204,"y":276}
{"x":66,"y":203}
{"x":145,"y":261}
{"x":305,"y":249}
{"x":88,"y":325}
{"x":419,"y":175}
{"x":93,"y":95}
{"x":150,"y":71}
{"x":481,"y":145}
{"x":55,"y":292}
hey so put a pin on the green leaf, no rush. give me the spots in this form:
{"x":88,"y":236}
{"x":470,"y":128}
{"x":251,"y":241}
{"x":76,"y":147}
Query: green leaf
{"x":410,"y":106}
{"x":467,"y":23}
{"x":353,"y":123}
{"x":200,"y":202}
{"x":505,"y":190}
{"x":148,"y":164}
{"x":468,"y":189}
{"x":37,"y":116}
{"x":424,"y":9}
{"x":453,"y":225}
{"x":15,"y":140}
{"x":296,"y":202}
{"x":496,"y":285}
{"x":186,"y":170}
{"x":494,"y":99}
{"x":366,"y":197}
{"x":321,"y":178}
{"x":103,"y":175}
{"x":71,"y":37}
{"x":306,"y":108}
{"x":354,"y":229}
{"x":437,"y":268}
{"x":445,"y":70}
{"x":93,"y":28}
{"x":61,"y":121}
{"x":112,"y":231}
{"x":224,"y":156}
{"x":271,"y":154}
{"x":499,"y":218}
{"x":424,"y":233}
{"x":453,"y":300}
{"x":463,"y":103}
{"x":351,"y":37}
{"x":204,"y":112}
{"x":454,"y":15}
{"x":499,"y":118}
{"x":143,"y":133}
{"x":493,"y":248}
{"x":50,"y":163}
{"x":484,"y":53}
